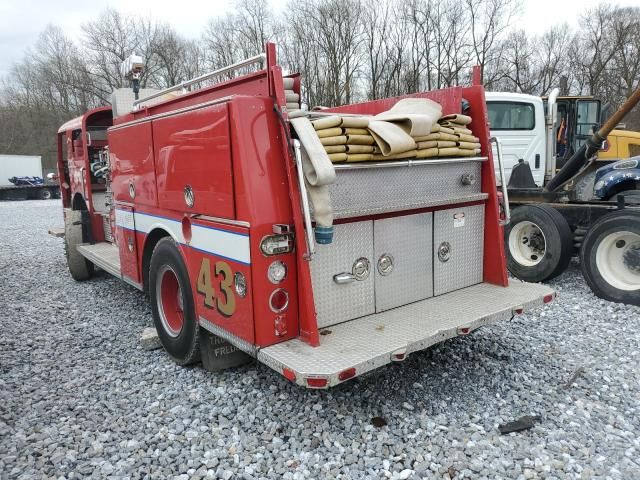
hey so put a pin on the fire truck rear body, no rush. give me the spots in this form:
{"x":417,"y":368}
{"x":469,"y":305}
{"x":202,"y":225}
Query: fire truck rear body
{"x":214,"y":169}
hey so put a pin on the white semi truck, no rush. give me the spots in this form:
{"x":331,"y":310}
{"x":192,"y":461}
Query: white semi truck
{"x":572,"y":183}
{"x":21,"y":179}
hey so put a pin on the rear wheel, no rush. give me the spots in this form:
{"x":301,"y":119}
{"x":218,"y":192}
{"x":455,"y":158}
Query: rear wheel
{"x":610,"y":257}
{"x":630,"y":196}
{"x":79,"y":267}
{"x":45,"y":194}
{"x":172,"y":303}
{"x":538,"y":242}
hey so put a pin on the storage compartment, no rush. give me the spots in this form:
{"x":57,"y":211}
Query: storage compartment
{"x":350,"y":252}
{"x":403,"y":272}
{"x":371,"y":188}
{"x":458,"y":240}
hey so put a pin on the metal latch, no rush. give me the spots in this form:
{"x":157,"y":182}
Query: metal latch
{"x":359,"y":271}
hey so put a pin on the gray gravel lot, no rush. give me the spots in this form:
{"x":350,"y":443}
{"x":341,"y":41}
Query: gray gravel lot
{"x":80,"y":398}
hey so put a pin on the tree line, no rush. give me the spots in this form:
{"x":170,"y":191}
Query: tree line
{"x":345,"y":51}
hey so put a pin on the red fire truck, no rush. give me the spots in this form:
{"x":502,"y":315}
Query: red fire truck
{"x":195,"y":195}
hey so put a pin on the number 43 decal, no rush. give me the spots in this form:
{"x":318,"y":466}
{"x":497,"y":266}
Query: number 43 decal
{"x":226,"y":302}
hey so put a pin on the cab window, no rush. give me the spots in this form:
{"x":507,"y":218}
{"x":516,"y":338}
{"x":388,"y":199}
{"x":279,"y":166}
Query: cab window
{"x":511,"y":116}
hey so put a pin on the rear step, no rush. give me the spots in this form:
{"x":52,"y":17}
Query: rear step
{"x":358,"y":346}
{"x":106,"y":256}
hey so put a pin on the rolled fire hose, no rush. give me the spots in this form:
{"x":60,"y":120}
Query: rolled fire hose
{"x":319,"y":174}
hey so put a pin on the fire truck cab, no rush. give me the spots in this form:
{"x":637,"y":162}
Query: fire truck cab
{"x":196,"y":195}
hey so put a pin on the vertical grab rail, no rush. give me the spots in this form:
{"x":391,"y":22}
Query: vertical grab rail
{"x":503,"y":182}
{"x":311,"y":249}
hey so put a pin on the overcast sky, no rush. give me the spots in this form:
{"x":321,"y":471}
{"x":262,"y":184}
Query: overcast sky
{"x":22,"y":20}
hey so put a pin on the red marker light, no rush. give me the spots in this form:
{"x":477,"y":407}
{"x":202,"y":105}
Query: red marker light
{"x":315,"y":382}
{"x":548,"y":298}
{"x":346,"y":374}
{"x":289,"y":374}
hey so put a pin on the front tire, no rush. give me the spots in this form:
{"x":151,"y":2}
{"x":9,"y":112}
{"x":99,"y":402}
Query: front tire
{"x":538,"y":243}
{"x":172,"y":303}
{"x":610,"y":257}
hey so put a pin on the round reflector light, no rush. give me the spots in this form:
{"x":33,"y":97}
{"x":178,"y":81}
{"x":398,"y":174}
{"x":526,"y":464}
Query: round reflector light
{"x":279,"y":300}
{"x":240,"y":284}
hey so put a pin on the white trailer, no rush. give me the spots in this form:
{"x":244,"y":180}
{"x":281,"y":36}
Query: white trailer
{"x":24,"y":166}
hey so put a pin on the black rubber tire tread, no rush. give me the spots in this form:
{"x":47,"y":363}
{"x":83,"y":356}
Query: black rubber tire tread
{"x":80,"y":268}
{"x":631,"y":197}
{"x":45,"y":194}
{"x":621,"y":220}
{"x":185,"y":348}
{"x":559,"y":238}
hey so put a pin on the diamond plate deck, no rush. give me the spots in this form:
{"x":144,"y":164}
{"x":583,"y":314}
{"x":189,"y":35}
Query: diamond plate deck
{"x":367,"y":343}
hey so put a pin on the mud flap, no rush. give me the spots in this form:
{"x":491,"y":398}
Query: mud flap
{"x":217,"y":354}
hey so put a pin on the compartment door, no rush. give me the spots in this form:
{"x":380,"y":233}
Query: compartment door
{"x":338,"y":297}
{"x":403,"y":260}
{"x":127,"y":245}
{"x":458,"y":240}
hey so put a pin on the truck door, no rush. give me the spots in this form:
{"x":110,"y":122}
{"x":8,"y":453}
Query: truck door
{"x":520,"y":127}
{"x":587,"y":116}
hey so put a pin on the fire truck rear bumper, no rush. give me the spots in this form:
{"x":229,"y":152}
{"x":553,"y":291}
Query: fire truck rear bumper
{"x":358,"y":346}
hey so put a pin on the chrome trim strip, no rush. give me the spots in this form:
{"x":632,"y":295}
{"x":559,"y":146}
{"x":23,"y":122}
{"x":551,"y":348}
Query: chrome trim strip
{"x":172,"y":112}
{"x":226,"y":221}
{"x":124,"y":204}
{"x":229,"y":337}
{"x":406,"y":163}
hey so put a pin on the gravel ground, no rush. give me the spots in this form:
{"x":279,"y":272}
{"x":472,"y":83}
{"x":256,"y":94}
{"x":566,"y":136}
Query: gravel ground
{"x":80,"y":398}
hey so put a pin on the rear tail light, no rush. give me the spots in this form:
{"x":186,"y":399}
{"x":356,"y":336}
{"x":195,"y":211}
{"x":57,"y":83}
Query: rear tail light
{"x":548,"y":298}
{"x":279,"y":300}
{"x":277,"y":244}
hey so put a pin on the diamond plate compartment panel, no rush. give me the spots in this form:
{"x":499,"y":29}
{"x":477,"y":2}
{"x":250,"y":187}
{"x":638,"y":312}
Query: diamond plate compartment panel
{"x":407,"y":239}
{"x":367,"y":343}
{"x":338,"y":303}
{"x":367,"y":191}
{"x":463,"y":229}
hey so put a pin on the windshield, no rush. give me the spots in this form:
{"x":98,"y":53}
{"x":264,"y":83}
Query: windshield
{"x":511,"y":116}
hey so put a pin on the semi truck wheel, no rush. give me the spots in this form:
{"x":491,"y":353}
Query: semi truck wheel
{"x":538,"y":242}
{"x":610,"y":257}
{"x":172,"y":303}
{"x":45,"y":194}
{"x":79,"y":267}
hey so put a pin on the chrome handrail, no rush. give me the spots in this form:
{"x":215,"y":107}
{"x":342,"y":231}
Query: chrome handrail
{"x":305,"y":201}
{"x":503,"y":182}
{"x":183,"y":85}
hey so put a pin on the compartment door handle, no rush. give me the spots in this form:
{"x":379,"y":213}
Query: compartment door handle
{"x":344,"y":278}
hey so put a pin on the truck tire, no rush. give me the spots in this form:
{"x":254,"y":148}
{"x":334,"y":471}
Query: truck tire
{"x":79,"y":267}
{"x":45,"y":194}
{"x":631,"y":197}
{"x":538,"y":243}
{"x":610,"y":257}
{"x":172,"y":303}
